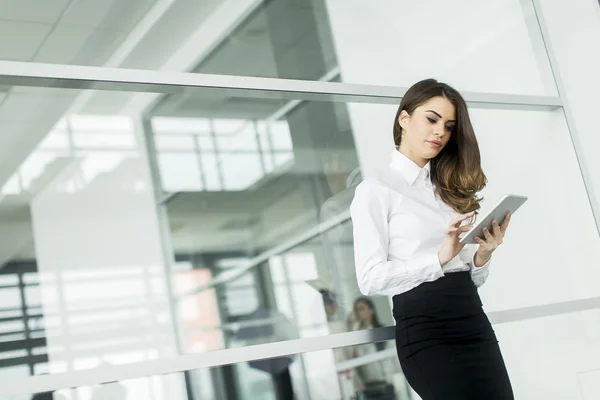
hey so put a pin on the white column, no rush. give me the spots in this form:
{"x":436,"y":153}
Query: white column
{"x":97,"y":240}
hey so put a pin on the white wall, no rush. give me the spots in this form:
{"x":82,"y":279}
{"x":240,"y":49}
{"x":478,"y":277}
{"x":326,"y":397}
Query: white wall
{"x":103,"y":286}
{"x":550,"y":253}
{"x":485,"y":46}
{"x":554,"y":357}
{"x":573,"y":33}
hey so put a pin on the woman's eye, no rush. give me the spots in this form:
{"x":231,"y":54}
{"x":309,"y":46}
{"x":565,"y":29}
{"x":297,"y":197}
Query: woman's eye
{"x":450,"y":128}
{"x":433,"y":121}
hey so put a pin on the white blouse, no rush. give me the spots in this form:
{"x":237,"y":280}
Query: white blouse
{"x":398,"y":228}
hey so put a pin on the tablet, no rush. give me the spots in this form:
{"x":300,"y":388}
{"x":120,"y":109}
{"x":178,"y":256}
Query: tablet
{"x":510,"y":203}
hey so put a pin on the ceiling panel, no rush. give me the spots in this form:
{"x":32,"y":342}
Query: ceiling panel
{"x":21,"y":40}
{"x":180,"y":21}
{"x":106,"y":14}
{"x":45,"y":11}
{"x":63,"y":44}
{"x":101,"y":44}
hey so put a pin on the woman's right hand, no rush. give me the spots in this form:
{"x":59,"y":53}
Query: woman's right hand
{"x":451,"y":245}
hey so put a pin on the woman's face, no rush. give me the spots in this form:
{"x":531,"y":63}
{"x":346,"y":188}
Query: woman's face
{"x":364,"y":313}
{"x":427,"y":131}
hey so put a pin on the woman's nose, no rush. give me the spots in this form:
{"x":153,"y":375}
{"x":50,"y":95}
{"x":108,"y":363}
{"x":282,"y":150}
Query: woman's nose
{"x":438,"y":130}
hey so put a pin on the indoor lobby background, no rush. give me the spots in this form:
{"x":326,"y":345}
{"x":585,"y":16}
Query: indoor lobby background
{"x":176,"y":174}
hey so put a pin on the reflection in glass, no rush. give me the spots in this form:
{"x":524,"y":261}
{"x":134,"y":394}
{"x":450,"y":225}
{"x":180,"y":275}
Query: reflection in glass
{"x":197,"y":154}
{"x":101,"y":142}
{"x":312,"y":376}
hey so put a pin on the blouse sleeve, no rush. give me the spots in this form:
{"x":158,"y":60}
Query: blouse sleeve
{"x":376,"y":274}
{"x":478,"y":274}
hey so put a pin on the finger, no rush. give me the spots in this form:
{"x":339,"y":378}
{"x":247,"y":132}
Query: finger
{"x":487,"y":234}
{"x":498,"y":233}
{"x":461,"y":218}
{"x":465,"y":228}
{"x":505,"y":223}
{"x":451,"y":231}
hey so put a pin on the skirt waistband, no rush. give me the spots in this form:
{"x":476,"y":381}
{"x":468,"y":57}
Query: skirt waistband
{"x":452,"y":296}
{"x":446,"y":310}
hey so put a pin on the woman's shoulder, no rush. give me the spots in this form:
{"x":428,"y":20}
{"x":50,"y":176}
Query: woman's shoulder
{"x":369,"y":188}
{"x":383,"y":183}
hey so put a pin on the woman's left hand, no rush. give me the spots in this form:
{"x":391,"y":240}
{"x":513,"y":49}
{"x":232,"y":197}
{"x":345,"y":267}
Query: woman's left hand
{"x":491,"y":241}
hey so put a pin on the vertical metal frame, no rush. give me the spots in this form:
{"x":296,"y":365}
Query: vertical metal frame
{"x":566,"y":107}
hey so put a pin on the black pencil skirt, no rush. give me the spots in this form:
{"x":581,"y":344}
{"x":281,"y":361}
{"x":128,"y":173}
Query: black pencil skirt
{"x":445,"y":342}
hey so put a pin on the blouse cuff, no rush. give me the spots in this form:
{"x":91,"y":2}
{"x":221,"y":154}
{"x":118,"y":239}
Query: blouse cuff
{"x":433,"y":269}
{"x":483,"y":267}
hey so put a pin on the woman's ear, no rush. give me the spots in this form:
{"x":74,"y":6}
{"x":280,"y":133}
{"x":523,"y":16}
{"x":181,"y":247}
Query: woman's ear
{"x":403,"y":119}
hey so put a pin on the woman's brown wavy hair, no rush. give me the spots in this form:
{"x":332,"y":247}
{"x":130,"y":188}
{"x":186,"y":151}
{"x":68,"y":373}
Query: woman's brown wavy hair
{"x":456,"y":170}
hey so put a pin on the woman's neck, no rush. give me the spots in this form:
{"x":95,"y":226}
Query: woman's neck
{"x":421,"y":162}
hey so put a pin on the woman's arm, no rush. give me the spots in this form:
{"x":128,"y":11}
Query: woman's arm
{"x":479,"y":271}
{"x":376,"y":275}
{"x":481,"y":256}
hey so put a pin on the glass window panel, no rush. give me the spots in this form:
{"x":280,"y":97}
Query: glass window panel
{"x":241,"y":301}
{"x":205,"y":143}
{"x":534,"y":174}
{"x":244,"y":140}
{"x":164,"y":142}
{"x":103,"y":141}
{"x":34,"y":310}
{"x":243,"y":281}
{"x":10,"y":297}
{"x":100,"y":124}
{"x":277,"y":269}
{"x":231,"y":262}
{"x":7,"y":355}
{"x":39,"y":350}
{"x":38,"y":277}
{"x":16,"y":372}
{"x":31,"y":278}
{"x":211,"y":172}
{"x":179,"y":172}
{"x":9,"y":280}
{"x":12,"y":326}
{"x":13,"y":337}
{"x":263,"y":136}
{"x":313,"y":294}
{"x":10,"y":313}
{"x":34,"y":166}
{"x":32,"y":296}
{"x":240,"y":170}
{"x":41,"y":369}
{"x":301,"y":266}
{"x":56,"y":140}
{"x":229,"y":126}
{"x":175,"y":125}
{"x":39,"y":323}
{"x":280,"y":136}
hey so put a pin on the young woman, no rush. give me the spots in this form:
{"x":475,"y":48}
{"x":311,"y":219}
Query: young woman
{"x":377,"y":375}
{"x":407,"y":225}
